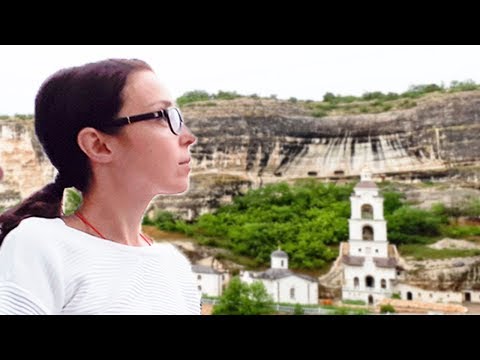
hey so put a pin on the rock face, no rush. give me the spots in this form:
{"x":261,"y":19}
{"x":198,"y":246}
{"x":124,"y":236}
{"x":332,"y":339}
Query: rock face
{"x":25,"y":166}
{"x":247,"y":143}
{"x":454,"y":274}
{"x":435,"y":135}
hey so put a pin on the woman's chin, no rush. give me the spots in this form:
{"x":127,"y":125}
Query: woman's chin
{"x":178,"y":189}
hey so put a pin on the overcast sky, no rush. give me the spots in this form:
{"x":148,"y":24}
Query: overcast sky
{"x":304,"y":72}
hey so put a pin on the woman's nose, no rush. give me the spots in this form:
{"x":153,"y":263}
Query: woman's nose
{"x":187,"y":137}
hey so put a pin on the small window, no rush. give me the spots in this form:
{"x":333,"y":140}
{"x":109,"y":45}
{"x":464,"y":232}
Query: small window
{"x":199,"y":277}
{"x":281,"y":263}
{"x":199,"y":288}
{"x":367,"y":211}
{"x":367,"y":233}
{"x":383,"y":283}
{"x":376,"y":250}
{"x":292,"y":293}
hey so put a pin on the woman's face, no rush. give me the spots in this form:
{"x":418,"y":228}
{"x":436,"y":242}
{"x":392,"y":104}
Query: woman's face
{"x":150,"y":154}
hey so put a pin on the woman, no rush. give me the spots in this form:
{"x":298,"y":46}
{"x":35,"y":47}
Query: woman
{"x":110,"y":130}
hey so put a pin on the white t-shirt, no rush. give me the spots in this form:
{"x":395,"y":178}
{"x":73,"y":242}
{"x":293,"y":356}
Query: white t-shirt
{"x":47,"y":267}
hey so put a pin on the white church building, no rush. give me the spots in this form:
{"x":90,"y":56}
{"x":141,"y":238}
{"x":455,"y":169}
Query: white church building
{"x":370,"y":265}
{"x":282,"y":284}
{"x":210,"y":282}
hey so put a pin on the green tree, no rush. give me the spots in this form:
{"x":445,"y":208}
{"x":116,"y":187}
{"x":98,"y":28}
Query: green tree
{"x":73,"y":199}
{"x":227,"y":95}
{"x":243,"y":299}
{"x":392,"y":201}
{"x":164,"y":220}
{"x":329,"y":97}
{"x":410,"y":225}
{"x":193,"y":96}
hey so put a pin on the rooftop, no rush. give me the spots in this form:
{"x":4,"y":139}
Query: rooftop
{"x":275,"y":274}
{"x":201,"y":269}
{"x":353,"y":260}
{"x":280,"y":254}
{"x":366,"y":185}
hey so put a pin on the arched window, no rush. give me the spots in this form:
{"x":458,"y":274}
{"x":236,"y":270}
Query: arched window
{"x":369,"y":281}
{"x":383,"y":284}
{"x":292,"y":293}
{"x":356,"y":282}
{"x":199,"y":277}
{"x":370,"y":300}
{"x":409,"y":296}
{"x":367,"y":233}
{"x":367,"y":211}
{"x":281,"y":263}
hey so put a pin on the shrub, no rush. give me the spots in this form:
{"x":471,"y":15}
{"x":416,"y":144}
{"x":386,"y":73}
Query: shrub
{"x":243,"y":299}
{"x":193,"y":96}
{"x":387,"y":308}
{"x":298,"y":310}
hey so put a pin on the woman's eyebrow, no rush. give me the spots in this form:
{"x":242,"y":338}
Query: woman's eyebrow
{"x":165,"y":103}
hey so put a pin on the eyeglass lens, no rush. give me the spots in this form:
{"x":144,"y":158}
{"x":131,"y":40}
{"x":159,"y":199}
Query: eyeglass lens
{"x":175,"y":120}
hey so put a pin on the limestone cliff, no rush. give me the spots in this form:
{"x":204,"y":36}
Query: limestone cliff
{"x":25,"y":167}
{"x":246,"y":143}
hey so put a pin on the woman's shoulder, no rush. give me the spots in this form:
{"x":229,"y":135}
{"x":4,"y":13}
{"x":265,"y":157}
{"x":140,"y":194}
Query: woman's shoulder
{"x":38,"y":228}
{"x":177,"y":256}
{"x":35,"y":223}
{"x":33,"y":238}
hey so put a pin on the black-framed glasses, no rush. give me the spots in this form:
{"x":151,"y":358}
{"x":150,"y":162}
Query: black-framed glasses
{"x":172,"y":115}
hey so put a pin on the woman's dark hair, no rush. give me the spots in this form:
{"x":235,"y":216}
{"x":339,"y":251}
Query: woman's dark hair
{"x":69,"y":100}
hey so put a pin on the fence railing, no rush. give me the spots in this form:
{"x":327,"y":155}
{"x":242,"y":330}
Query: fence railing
{"x":307,"y":310}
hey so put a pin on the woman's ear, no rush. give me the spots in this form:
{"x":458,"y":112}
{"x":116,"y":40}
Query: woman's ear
{"x":95,"y":144}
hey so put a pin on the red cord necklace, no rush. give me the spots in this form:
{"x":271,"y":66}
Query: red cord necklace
{"x":85,"y":221}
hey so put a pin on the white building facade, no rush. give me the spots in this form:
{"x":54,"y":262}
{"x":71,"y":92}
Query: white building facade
{"x":282,"y":284}
{"x":210,"y":282}
{"x":370,"y":267}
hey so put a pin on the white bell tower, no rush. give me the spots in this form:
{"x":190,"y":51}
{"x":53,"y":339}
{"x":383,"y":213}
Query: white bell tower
{"x":369,"y":269}
{"x":368,"y":228}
